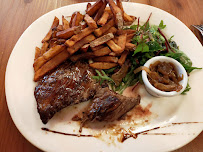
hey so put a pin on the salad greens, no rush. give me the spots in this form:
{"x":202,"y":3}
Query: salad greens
{"x":150,"y":42}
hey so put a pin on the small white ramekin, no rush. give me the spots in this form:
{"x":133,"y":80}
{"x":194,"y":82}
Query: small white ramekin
{"x":156,"y":92}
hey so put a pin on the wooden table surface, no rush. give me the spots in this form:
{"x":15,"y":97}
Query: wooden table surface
{"x":16,"y":16}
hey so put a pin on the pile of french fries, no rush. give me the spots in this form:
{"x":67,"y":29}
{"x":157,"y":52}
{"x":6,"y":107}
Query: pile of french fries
{"x":98,"y":35}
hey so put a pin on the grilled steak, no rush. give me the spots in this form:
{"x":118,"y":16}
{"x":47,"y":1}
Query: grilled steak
{"x":108,"y":106}
{"x":69,"y":84}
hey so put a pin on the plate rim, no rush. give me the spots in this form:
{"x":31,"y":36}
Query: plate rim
{"x":19,"y":39}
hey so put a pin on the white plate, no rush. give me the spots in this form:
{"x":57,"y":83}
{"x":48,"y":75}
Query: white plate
{"x":22,"y":105}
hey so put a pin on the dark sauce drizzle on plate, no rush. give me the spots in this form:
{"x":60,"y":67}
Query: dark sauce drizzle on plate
{"x":68,"y":134}
{"x":129,"y":134}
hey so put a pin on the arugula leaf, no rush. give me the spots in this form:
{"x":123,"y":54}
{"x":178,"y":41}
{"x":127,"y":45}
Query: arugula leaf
{"x":102,"y":77}
{"x":142,"y":47}
{"x":154,"y":46}
{"x":145,"y":27}
{"x":161,"y":25}
{"x":186,"y":89}
{"x":189,"y":68}
{"x":133,"y":27}
{"x":129,"y":80}
{"x":108,"y":71}
{"x":182,"y":58}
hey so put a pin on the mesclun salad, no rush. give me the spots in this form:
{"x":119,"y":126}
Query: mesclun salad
{"x":150,"y":42}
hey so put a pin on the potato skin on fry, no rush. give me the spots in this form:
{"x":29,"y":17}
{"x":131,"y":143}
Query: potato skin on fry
{"x":102,"y":65}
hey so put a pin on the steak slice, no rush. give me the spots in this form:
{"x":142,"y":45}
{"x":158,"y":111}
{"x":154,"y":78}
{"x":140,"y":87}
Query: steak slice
{"x":108,"y":106}
{"x":69,"y":84}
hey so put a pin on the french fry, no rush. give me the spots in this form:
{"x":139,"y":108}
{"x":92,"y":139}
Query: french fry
{"x":44,"y":47}
{"x":68,"y":32}
{"x":53,"y":51}
{"x":100,"y":11}
{"x":40,"y":61}
{"x":77,"y":19}
{"x":107,"y":9}
{"x":122,"y":41}
{"x":60,"y":41}
{"x":97,"y":47}
{"x":90,"y":22}
{"x":102,"y":21}
{"x":51,"y":64}
{"x":37,"y":52}
{"x":112,"y":54}
{"x":130,"y":22}
{"x":117,"y":14}
{"x":84,"y":48}
{"x":79,"y":36}
{"x":106,"y":59}
{"x":83,"y":25}
{"x":102,"y":65}
{"x":94,"y":8}
{"x":111,"y":30}
{"x":59,"y":28}
{"x":88,"y":6}
{"x":52,"y":42}
{"x":86,"y":55}
{"x":123,"y":57}
{"x":126,"y":17}
{"x":65,"y":23}
{"x":80,"y":43}
{"x":120,"y":5}
{"x":54,"y":31}
{"x":133,"y":17}
{"x":102,"y":52}
{"x":114,"y":47}
{"x":115,"y":39}
{"x":71,"y":20}
{"x":128,"y":31}
{"x":49,"y":34}
{"x":101,"y":40}
{"x":99,"y":32}
{"x":130,"y":46}
{"x":130,"y":37}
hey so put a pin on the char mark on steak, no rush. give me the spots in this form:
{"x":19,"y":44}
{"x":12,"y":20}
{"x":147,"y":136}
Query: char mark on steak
{"x":108,"y":106}
{"x":69,"y":84}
